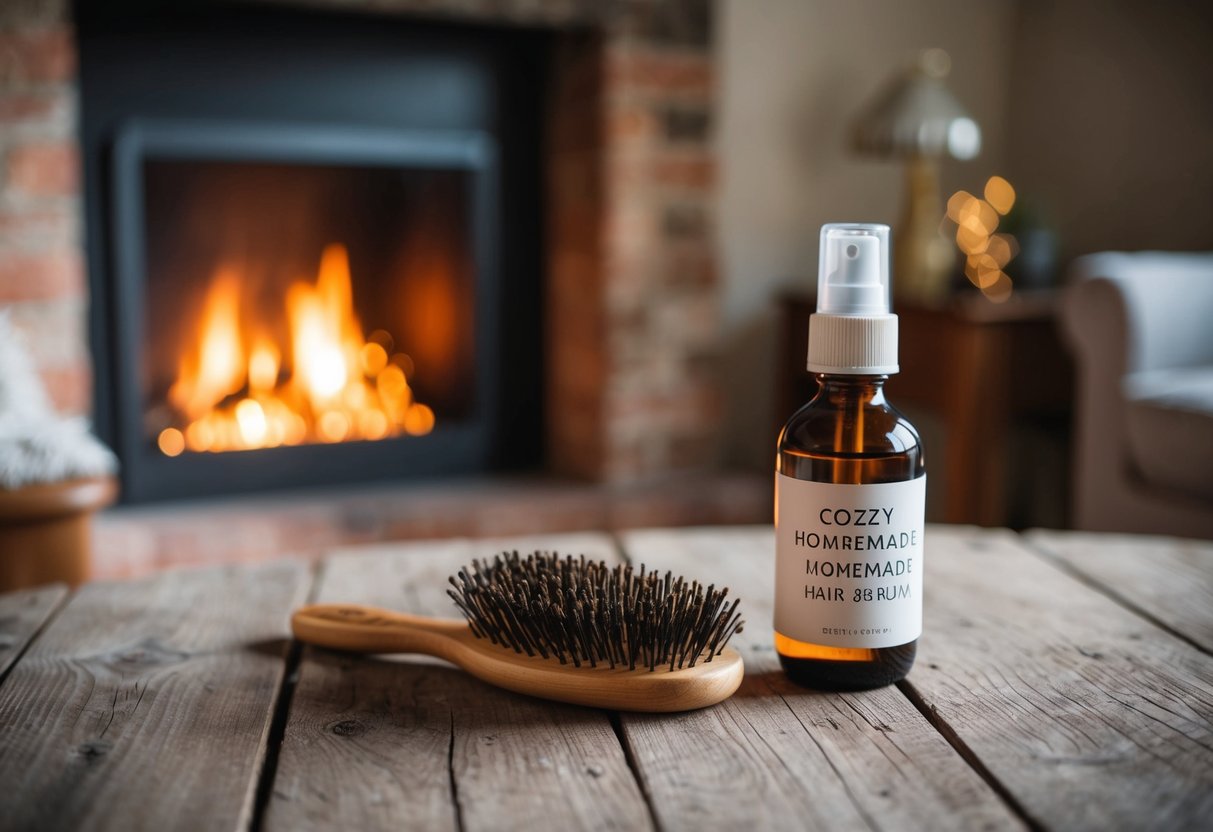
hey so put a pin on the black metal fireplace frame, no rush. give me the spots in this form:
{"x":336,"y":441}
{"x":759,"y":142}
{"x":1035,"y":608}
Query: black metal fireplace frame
{"x":463,"y":446}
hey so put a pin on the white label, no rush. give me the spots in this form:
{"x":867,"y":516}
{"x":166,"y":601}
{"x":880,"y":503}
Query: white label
{"x":848,"y":562}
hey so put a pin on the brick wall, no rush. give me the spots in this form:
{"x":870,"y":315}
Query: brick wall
{"x":41,"y":264}
{"x":633,"y":324}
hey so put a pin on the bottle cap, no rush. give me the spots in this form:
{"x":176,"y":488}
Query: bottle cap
{"x":854,"y":331}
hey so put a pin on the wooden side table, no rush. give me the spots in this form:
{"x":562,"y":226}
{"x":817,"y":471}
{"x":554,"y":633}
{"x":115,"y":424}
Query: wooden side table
{"x":976,"y":364}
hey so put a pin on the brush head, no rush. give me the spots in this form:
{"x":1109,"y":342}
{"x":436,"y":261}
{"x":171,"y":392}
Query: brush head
{"x":580,"y":611}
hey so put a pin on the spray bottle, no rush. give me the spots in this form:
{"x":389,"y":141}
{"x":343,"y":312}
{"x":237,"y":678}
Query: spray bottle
{"x":850,"y":487}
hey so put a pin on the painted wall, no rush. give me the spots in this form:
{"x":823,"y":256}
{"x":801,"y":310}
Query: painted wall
{"x":1110,"y":122}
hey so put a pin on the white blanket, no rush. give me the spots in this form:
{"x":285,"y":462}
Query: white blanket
{"x":36,"y":444}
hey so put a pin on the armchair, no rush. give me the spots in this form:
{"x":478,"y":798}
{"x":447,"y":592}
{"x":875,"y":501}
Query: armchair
{"x":1141,"y":328}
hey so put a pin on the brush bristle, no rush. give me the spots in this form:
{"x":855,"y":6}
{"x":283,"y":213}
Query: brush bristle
{"x":584,"y":612}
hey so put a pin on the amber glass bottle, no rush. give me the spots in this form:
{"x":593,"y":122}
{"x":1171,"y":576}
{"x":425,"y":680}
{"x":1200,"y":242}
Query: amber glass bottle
{"x":850,"y":487}
{"x":848,"y":434}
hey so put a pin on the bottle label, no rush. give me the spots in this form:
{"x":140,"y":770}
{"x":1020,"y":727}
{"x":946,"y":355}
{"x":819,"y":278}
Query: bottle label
{"x":848,"y":562}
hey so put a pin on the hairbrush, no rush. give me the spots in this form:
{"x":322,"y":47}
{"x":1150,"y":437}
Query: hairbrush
{"x":562,"y":628}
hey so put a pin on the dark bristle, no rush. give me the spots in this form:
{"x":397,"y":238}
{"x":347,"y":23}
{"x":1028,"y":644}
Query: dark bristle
{"x":583,"y":612}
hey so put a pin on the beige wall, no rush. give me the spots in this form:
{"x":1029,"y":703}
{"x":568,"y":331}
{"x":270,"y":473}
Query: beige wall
{"x":1111,"y":121}
{"x":794,"y":73}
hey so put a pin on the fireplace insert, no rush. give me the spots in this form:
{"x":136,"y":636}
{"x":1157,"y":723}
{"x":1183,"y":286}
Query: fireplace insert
{"x":283,"y":298}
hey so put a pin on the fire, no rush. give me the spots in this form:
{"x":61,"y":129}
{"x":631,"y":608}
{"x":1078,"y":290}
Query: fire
{"x":235,"y":392}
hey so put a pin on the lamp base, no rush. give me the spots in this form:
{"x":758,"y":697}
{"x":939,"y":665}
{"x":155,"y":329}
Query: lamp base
{"x":923,"y":257}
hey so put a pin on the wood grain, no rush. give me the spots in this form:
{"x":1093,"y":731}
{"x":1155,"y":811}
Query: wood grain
{"x":1167,"y":578}
{"x":22,"y":614}
{"x":1089,"y":715}
{"x":146,"y":704}
{"x":776,"y":756}
{"x":388,"y":743}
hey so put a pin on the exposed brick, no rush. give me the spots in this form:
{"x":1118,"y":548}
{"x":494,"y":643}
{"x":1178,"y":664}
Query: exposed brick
{"x":688,"y":172}
{"x":682,"y":22}
{"x":689,"y":267}
{"x":53,"y":329}
{"x":655,"y":70}
{"x":692,"y":321}
{"x":632,"y":123}
{"x":696,"y":172}
{"x":44,"y":169}
{"x":34,"y":275}
{"x":70,"y":388}
{"x":38,"y":226}
{"x":38,"y":56}
{"x":26,"y":107}
{"x":33,"y":14}
{"x":682,"y":123}
{"x":684,"y":220}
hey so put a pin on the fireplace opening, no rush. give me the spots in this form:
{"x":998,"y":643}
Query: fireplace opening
{"x":294,"y":305}
{"x":305,"y":273}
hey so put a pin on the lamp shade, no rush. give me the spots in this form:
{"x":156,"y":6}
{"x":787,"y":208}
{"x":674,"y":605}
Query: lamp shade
{"x":918,"y":116}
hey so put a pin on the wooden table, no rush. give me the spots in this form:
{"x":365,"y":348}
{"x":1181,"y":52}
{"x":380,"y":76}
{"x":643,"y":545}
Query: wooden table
{"x":1065,"y":682}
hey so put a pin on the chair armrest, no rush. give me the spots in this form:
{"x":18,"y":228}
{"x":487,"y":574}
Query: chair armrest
{"x":1141,"y":311}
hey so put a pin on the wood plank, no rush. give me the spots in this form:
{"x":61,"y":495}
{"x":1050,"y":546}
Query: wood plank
{"x":146,"y":704}
{"x":1089,"y":715}
{"x":412,"y":743}
{"x":1169,"y":579}
{"x":777,"y":756}
{"x":22,"y":615}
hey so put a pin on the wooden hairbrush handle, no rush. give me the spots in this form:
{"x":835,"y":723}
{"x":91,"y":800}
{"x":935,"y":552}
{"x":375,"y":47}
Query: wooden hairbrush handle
{"x":360,"y":629}
{"x":370,"y":630}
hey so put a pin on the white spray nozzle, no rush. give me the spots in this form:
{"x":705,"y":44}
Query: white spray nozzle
{"x":853,"y":278}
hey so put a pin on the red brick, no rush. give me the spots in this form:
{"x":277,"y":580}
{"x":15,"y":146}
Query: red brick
{"x":50,"y":169}
{"x":633,"y":122}
{"x":34,"y":275}
{"x":696,"y":172}
{"x":37,"y":226}
{"x":688,"y":172}
{"x":655,"y":70}
{"x":25,"y":107}
{"x":37,"y":56}
{"x":70,"y":388}
{"x":53,"y":329}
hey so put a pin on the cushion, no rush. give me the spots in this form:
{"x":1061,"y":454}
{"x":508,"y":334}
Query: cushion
{"x":1169,"y":417}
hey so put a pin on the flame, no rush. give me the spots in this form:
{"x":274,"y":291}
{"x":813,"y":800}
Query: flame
{"x":341,"y":386}
{"x":214,"y":369}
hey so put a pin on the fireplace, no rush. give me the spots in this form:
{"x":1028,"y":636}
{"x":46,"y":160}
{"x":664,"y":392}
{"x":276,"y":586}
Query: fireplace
{"x":604,"y":367}
{"x":294,"y":299}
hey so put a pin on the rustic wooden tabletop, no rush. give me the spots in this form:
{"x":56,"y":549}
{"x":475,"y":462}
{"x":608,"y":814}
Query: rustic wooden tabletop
{"x":1064,"y":681}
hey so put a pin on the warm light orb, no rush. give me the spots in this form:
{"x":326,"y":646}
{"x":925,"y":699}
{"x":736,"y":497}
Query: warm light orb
{"x":374,"y":359}
{"x":171,"y":442}
{"x":1000,"y":195}
{"x":419,"y":420}
{"x":373,"y":424}
{"x":251,"y":420}
{"x":405,"y":363}
{"x":199,"y":436}
{"x":986,"y":253}
{"x":957,"y":202}
{"x":1000,"y":290}
{"x":334,"y":426}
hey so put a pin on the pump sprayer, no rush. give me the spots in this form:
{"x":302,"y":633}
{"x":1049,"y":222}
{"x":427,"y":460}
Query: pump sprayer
{"x":853,"y":331}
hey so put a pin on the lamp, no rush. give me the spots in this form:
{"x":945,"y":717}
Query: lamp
{"x":918,"y":119}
